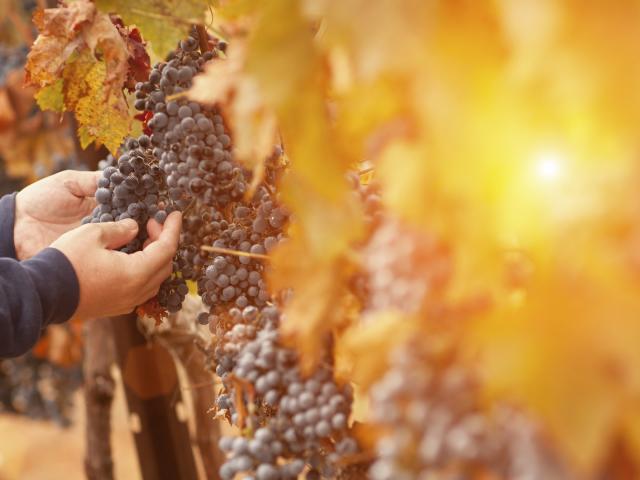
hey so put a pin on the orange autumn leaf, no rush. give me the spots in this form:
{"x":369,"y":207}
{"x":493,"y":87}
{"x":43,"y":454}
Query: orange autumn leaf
{"x":74,"y":33}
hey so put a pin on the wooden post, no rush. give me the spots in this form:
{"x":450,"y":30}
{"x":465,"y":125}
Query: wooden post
{"x":153,"y":392}
{"x":99,"y":388}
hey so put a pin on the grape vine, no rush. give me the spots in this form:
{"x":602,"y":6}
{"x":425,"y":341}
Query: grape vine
{"x":184,"y":161}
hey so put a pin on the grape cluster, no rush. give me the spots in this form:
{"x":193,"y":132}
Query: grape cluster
{"x":38,"y":389}
{"x":233,"y":279}
{"x":403,"y":267}
{"x":172,"y":293}
{"x":189,"y":139}
{"x":429,"y":407}
{"x":254,"y":228}
{"x":294,"y":421}
{"x":135,"y":188}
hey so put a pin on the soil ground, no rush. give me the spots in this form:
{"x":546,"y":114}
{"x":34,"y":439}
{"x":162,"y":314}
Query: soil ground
{"x":37,"y":450}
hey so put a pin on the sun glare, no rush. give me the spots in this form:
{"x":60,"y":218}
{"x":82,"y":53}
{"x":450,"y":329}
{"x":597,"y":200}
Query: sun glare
{"x":549,"y":166}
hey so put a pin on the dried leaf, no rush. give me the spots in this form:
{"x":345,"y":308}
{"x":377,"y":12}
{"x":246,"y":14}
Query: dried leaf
{"x":139,"y":61}
{"x":84,"y":48}
{"x":64,"y":22}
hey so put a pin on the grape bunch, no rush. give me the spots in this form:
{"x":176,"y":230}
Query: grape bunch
{"x":235,"y":280}
{"x":295,"y":422}
{"x":135,"y":188}
{"x":38,"y":389}
{"x":403,"y":268}
{"x":190,"y":140}
{"x":428,"y":404}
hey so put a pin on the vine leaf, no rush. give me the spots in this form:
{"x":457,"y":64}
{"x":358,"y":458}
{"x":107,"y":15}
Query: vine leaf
{"x":91,"y":54}
{"x":591,"y":376}
{"x":362,"y":351}
{"x":99,"y":117}
{"x":139,"y":61}
{"x":162,"y":22}
{"x":51,"y":97}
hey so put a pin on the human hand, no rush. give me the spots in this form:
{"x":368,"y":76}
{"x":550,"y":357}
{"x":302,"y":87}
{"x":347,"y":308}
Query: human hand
{"x":112,"y":282}
{"x":51,"y":207}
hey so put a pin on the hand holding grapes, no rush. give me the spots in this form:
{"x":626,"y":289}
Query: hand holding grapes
{"x":51,"y":207}
{"x":113,"y":282}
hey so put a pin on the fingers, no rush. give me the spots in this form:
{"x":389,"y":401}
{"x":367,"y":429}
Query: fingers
{"x":117,"y":234}
{"x":160,"y":252}
{"x":87,"y":206}
{"x":81,"y":184}
{"x":154,"y":229}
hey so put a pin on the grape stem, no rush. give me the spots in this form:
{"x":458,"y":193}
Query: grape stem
{"x":176,"y":95}
{"x":238,"y":253}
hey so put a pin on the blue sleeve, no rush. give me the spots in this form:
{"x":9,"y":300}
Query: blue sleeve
{"x":7,"y":213}
{"x":33,"y":293}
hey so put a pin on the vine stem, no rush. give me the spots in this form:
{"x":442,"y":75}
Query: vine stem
{"x":237,"y":253}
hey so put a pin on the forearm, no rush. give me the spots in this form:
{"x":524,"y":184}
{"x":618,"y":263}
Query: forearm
{"x":7,"y":218}
{"x":33,"y":294}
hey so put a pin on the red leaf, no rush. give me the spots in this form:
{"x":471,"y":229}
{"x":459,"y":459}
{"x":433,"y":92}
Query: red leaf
{"x":139,"y":61}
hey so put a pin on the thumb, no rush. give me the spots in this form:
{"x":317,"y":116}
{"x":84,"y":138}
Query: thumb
{"x":117,"y":234}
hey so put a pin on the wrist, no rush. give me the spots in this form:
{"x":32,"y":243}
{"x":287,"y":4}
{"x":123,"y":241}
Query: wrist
{"x":19,"y":235}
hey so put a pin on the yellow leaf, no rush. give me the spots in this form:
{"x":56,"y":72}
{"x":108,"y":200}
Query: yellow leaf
{"x":362,"y":351}
{"x":51,"y":97}
{"x":318,"y":304}
{"x":75,"y":78}
{"x":567,"y":352}
{"x":103,"y":116}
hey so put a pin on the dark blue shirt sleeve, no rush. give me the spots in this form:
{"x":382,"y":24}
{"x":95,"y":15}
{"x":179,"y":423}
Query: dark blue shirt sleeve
{"x":7,"y":214}
{"x":33,"y":293}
